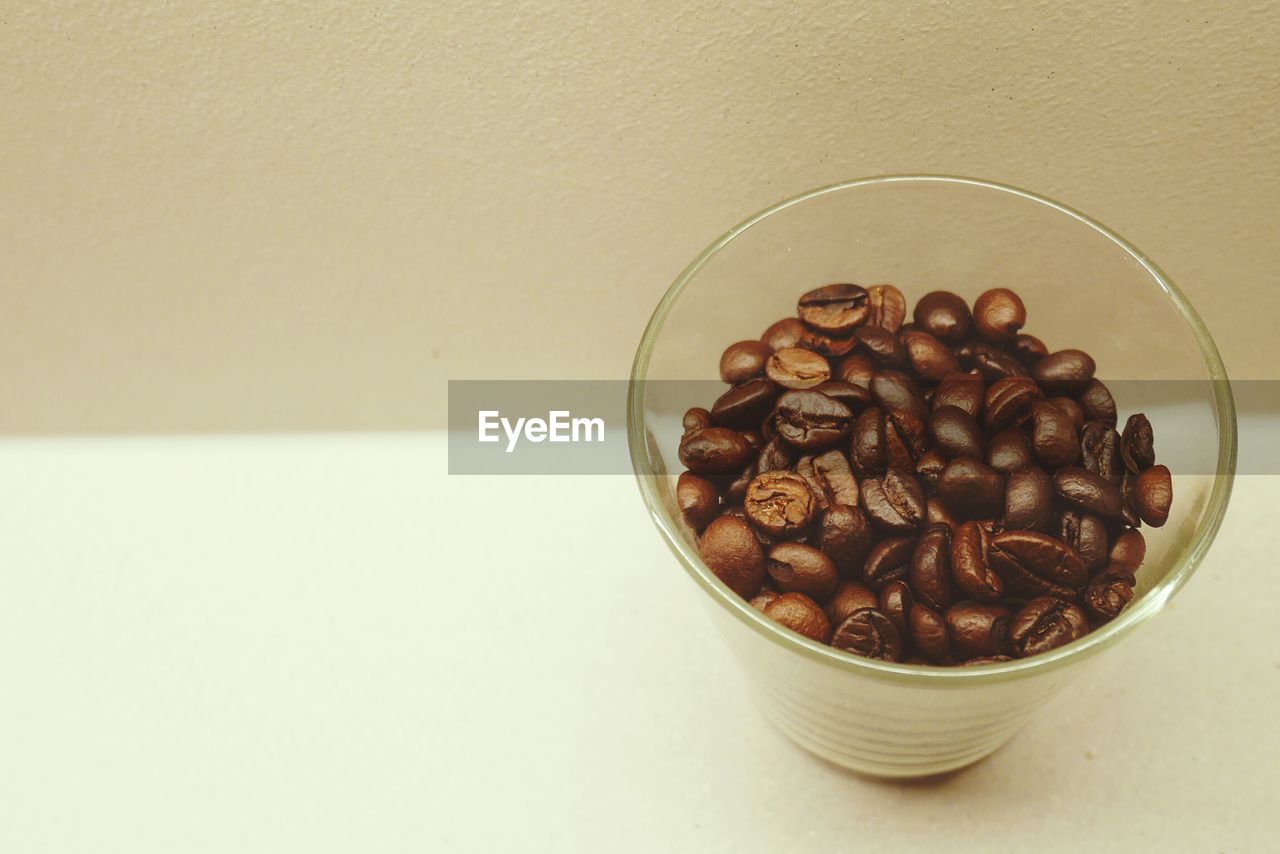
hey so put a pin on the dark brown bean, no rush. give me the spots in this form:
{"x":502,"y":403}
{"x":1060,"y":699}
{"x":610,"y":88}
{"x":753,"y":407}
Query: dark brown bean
{"x":780,"y":503}
{"x":895,"y":502}
{"x":904,"y":440}
{"x":800,"y":614}
{"x":1153,"y":495}
{"x":970,"y":566}
{"x":1046,"y":623}
{"x":1129,"y":550}
{"x":930,"y":570}
{"x":929,"y":633}
{"x":811,"y":421}
{"x":870,"y":634}
{"x":927,"y":356}
{"x":883,"y":346}
{"x":1028,"y":501}
{"x":1010,"y":450}
{"x":888,"y":307}
{"x":785,"y":333}
{"x":1137,"y":444}
{"x":1108,"y":592}
{"x":1029,"y":348}
{"x":929,"y":468}
{"x":944,"y":315}
{"x":856,"y":397}
{"x":827,"y":345}
{"x":834,"y":309}
{"x":775,"y":455}
{"x":801,"y":568}
{"x":796,"y":367}
{"x":978,"y":630}
{"x":1009,"y":401}
{"x":972,"y":489}
{"x":939,"y":514}
{"x":895,"y":603}
{"x":714,"y":450}
{"x":697,"y":499}
{"x":1098,"y":404}
{"x":696,"y":418}
{"x":889,"y":560}
{"x":867,"y":447}
{"x":1066,"y":372}
{"x":763,"y":598}
{"x":1035,"y":564}
{"x":1100,"y":451}
{"x":744,"y":405}
{"x":1086,"y":491}
{"x":1086,"y":535}
{"x":994,"y":363}
{"x":743,"y":360}
{"x":1054,"y":436}
{"x":844,"y":534}
{"x":963,"y":391}
{"x":998,"y":315}
{"x":731,"y":551}
{"x":831,"y":480}
{"x":955,"y":433}
{"x":895,"y":391}
{"x":857,"y":369}
{"x":1071,"y":408}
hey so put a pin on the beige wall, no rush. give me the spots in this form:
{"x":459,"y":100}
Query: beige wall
{"x":309,"y":216}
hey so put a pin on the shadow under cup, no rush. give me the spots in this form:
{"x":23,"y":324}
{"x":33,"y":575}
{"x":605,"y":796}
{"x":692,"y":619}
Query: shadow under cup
{"x":1083,"y":286}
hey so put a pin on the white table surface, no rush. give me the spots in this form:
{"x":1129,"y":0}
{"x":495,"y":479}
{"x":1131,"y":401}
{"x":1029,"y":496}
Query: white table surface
{"x":328,"y":644}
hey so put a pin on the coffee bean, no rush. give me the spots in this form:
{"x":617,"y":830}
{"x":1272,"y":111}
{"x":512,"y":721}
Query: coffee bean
{"x":904,"y":440}
{"x":1010,"y":450}
{"x":1086,"y":491}
{"x":994,"y":363}
{"x":1054,"y":436}
{"x":870,"y":634}
{"x":939,"y":514}
{"x":1108,"y":592}
{"x":811,"y":421}
{"x":929,"y":633}
{"x":1065,"y":372}
{"x":795,"y":367}
{"x":1100,"y":451}
{"x":963,"y":391}
{"x":955,"y":433}
{"x":780,"y":504}
{"x":827,"y":345}
{"x":849,"y":598}
{"x":734,"y":489}
{"x":1028,"y":501}
{"x":944,"y":315}
{"x":1009,"y":401}
{"x":884,"y":347}
{"x":1153,"y":495}
{"x":697,"y":499}
{"x":1137,"y":444}
{"x":889,"y":560}
{"x":844,"y":534}
{"x":1046,"y":623}
{"x":857,"y":370}
{"x":775,"y":455}
{"x":743,"y":360}
{"x":1029,"y":349}
{"x":731,"y":551}
{"x":1129,"y":550}
{"x":1072,"y":410}
{"x":998,"y":315}
{"x":930,"y":570}
{"x":927,"y":356}
{"x":1128,"y":500}
{"x":895,"y":603}
{"x":867,"y":446}
{"x":800,"y":614}
{"x":972,"y":489}
{"x":970,"y":566}
{"x":696,"y":418}
{"x":785,"y":333}
{"x":1086,"y":535}
{"x":887,"y":307}
{"x":895,"y":391}
{"x":763,"y":598}
{"x":853,"y":396}
{"x":834,"y":309}
{"x":801,"y":568}
{"x":744,"y":405}
{"x":929,"y":468}
{"x":714,"y":450}
{"x":895,"y":502}
{"x":978,"y":629}
{"x":1098,"y":404}
{"x":1035,"y":564}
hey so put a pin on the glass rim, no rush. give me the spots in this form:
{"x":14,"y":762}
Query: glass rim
{"x":935,"y":675}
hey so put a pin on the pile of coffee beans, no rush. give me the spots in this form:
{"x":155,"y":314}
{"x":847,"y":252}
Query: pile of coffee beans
{"x":940,"y":491}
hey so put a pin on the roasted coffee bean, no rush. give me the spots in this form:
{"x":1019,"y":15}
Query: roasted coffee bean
{"x":1066,"y":372}
{"x":801,"y":568}
{"x":1028,"y":501}
{"x":1046,"y":623}
{"x":827,"y":345}
{"x":944,"y":315}
{"x":972,"y":489}
{"x":844,"y":534}
{"x":867,"y":447}
{"x":714,"y":450}
{"x":887,"y":307}
{"x":889,"y":560}
{"x":780,"y":504}
{"x":1108,"y":592}
{"x":1100,"y":451}
{"x":753,"y":439}
{"x":856,"y":397}
{"x":1128,"y":500}
{"x":831,"y":479}
{"x":734,"y":489}
{"x":927,"y":356}
{"x":895,"y":502}
{"x":1071,"y":408}
{"x":800,"y":614}
{"x":744,"y":405}
{"x":1009,"y":401}
{"x":796,"y":367}
{"x":1029,"y":349}
{"x":697,"y":499}
{"x":929,"y":468}
{"x":1054,"y":436}
{"x":849,"y":598}
{"x":1153,"y":495}
{"x":1137,"y":444}
{"x":963,"y":391}
{"x":929,"y":633}
{"x":763,"y":598}
{"x":857,"y":369}
{"x":895,"y":603}
{"x":970,"y":566}
{"x":870,"y":634}
{"x":955,"y":433}
{"x":785,"y":333}
{"x":731,"y":551}
{"x":834,"y":309}
{"x":743,"y":360}
{"x":1035,"y":564}
{"x":1086,"y":491}
{"x":775,"y":455}
{"x":1010,"y":450}
{"x":811,"y":421}
{"x":1098,"y":404}
{"x":885,"y":347}
{"x":1086,"y":535}
{"x":696,"y":418}
{"x":895,"y":391}
{"x":1129,"y":550}
{"x":930,"y":570}
{"x":904,"y":440}
{"x":998,"y":315}
{"x":978,"y":630}
{"x":994,"y":363}
{"x":939,"y":514}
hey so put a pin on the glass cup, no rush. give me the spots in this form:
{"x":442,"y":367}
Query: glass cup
{"x":1084,"y":287}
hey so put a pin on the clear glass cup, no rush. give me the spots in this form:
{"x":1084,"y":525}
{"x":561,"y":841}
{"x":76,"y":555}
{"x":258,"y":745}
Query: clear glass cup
{"x":1083,"y":286}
